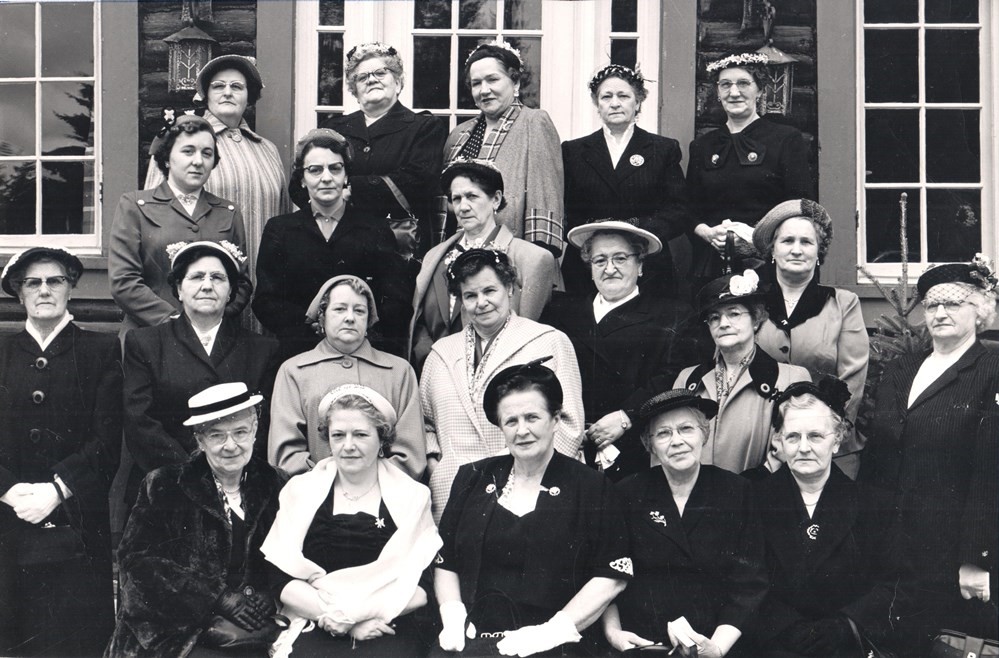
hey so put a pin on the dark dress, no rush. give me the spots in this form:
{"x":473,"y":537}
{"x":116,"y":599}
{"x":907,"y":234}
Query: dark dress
{"x":706,"y":565}
{"x":61,"y":415}
{"x":295,"y":260}
{"x":164,"y":366}
{"x":525,"y":569}
{"x":741,"y":177}
{"x":646,"y":187}
{"x":644,"y":338}
{"x":939,"y":459}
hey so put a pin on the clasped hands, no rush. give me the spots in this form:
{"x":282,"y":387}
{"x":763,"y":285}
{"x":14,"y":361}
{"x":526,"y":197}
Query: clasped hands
{"x":248,"y":609}
{"x":525,"y":641}
{"x":32,"y":501}
{"x":335,"y":623}
{"x":974,"y":582}
{"x":717,"y":235}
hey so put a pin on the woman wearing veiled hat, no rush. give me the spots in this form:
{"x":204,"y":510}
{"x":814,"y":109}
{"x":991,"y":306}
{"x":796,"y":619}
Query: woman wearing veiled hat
{"x":934,"y":443}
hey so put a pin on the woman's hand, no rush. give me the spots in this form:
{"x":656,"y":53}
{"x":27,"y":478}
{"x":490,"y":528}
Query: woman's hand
{"x":974,"y":582}
{"x":371,"y":629}
{"x":706,"y":646}
{"x":606,"y":431}
{"x":33,"y":502}
{"x":334,"y":628}
{"x":713,"y":235}
{"x":453,"y":617}
{"x":623,"y":640}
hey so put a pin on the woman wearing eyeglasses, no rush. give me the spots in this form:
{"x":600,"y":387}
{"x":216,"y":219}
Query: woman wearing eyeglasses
{"x":326,"y":237}
{"x":743,"y":169}
{"x":60,"y":438}
{"x":742,"y":378}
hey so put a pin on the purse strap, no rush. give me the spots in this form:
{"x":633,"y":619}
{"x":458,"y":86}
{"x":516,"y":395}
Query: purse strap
{"x":399,"y":196}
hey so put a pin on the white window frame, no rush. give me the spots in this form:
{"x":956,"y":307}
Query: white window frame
{"x":988,"y":117}
{"x":82,"y":244}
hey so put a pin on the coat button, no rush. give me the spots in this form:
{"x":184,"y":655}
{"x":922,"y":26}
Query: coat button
{"x":35,"y":435}
{"x":367,"y":149}
{"x":41,"y":363}
{"x":195,"y":229}
{"x":38,"y":397}
{"x":347,"y":363}
{"x":141,"y":202}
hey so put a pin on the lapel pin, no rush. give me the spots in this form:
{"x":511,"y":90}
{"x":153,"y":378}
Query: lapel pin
{"x":813,"y":531}
{"x":490,"y":488}
{"x":554,"y":491}
{"x":715,"y":158}
{"x":636,"y":160}
{"x":752,"y":157}
{"x":657,"y":517}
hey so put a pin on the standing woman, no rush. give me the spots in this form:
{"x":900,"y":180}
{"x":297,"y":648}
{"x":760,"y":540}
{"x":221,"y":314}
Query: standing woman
{"x":626,"y":173}
{"x":178,"y":210}
{"x":60,"y":401}
{"x":743,"y":169}
{"x":934,"y":444}
{"x":522,"y":142}
{"x":818,"y":327}
{"x":250,"y":172}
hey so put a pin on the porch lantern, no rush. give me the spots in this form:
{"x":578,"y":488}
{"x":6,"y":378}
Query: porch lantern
{"x":777,"y":95}
{"x":190,"y":49}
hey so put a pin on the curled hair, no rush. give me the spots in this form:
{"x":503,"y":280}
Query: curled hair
{"x":203,"y":428}
{"x":633,"y":78}
{"x":321,"y":140}
{"x":17,"y":280}
{"x":386,"y":431}
{"x":319,"y":325}
{"x":186,"y":259}
{"x":820,"y":221}
{"x":637,"y":244}
{"x":984,"y":302}
{"x":700,"y":420}
{"x":161,"y":156}
{"x":483,"y":175}
{"x":758,"y":312}
{"x":841,"y":425}
{"x":474,"y":261}
{"x":523,"y":384}
{"x":359,"y":54}
{"x":507,"y":58}
{"x":758,"y":72}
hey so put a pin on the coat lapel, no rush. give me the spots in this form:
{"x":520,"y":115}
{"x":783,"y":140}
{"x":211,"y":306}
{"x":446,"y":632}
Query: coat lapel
{"x":596,"y":155}
{"x":833,"y":519}
{"x":459,"y":377}
{"x":660,"y":512}
{"x":949,"y":375}
{"x":225,"y":343}
{"x":184,"y":334}
{"x":640,"y":145}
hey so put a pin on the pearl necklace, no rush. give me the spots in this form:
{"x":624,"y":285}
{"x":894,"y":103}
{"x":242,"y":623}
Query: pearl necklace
{"x":354,"y":499}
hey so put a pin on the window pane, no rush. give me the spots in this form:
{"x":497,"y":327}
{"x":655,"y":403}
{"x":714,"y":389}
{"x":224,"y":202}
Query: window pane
{"x":431,"y":14}
{"x":17,"y":119}
{"x":951,"y":11}
{"x":17,"y":40}
{"x":952,"y":66}
{"x":891,"y":11}
{"x":331,"y":12}
{"x":68,"y":39}
{"x":17,"y":197}
{"x":465,"y":47}
{"x":892,"y":146}
{"x":323,"y":117}
{"x":882,"y":221}
{"x":624,"y":15}
{"x":953,"y":143}
{"x":67,"y":118}
{"x":477,"y":15}
{"x":953,"y":224}
{"x":431,"y":72}
{"x":522,"y":15}
{"x":624,"y":52}
{"x":891,"y":66}
{"x":67,"y":197}
{"x":330,"y":69}
{"x":530,"y":81}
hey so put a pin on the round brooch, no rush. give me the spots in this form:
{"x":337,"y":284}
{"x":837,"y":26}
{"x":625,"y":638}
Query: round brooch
{"x":765,"y":387}
{"x":490,"y":488}
{"x":813,"y":531}
{"x":636,"y":160}
{"x":554,"y":491}
{"x":347,"y":363}
{"x":715,"y":158}
{"x":752,"y":157}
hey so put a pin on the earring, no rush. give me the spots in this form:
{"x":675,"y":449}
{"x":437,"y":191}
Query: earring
{"x":381,"y":451}
{"x":773,"y":259}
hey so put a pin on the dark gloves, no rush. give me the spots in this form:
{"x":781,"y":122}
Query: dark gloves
{"x":247,"y":608}
{"x":823,"y":637}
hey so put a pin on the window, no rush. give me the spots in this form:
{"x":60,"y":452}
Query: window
{"x":49,"y":164}
{"x":924,"y":129}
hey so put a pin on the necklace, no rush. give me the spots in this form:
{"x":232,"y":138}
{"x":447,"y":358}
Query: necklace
{"x":354,"y":499}
{"x":234,"y":491}
{"x":510,"y":482}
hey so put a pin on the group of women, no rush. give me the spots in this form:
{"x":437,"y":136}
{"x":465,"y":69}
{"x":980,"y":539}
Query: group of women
{"x":461,"y":457}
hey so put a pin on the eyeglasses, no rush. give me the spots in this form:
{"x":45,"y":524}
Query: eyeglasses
{"x":218,"y":437}
{"x":220,"y":86}
{"x":214,"y":277}
{"x":317,"y":170}
{"x":684,"y":431}
{"x":619,"y":260}
{"x":813,"y":438}
{"x":949,"y":305}
{"x":377,"y":74}
{"x":54,"y":283}
{"x":732,"y":315}
{"x":726,"y":85}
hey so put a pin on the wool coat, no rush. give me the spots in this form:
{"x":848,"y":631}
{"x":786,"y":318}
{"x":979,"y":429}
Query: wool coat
{"x":61,"y":415}
{"x":537,"y":274}
{"x":646,"y":187}
{"x":145,"y":222}
{"x":173,"y":559}
{"x":457,"y":429}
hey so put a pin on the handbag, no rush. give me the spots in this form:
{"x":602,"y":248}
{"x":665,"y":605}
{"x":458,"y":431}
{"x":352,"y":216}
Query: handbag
{"x":952,"y":644}
{"x":49,"y":544}
{"x":400,"y":199}
{"x":225,"y":634}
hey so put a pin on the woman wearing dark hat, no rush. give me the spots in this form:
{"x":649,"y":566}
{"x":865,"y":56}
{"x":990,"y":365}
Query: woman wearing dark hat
{"x":166,"y":364}
{"x":934,"y":443}
{"x":327,"y":237}
{"x":832,"y":556}
{"x":695,"y":538}
{"x":189,"y":562}
{"x":520,"y":141}
{"x":741,"y":378}
{"x":341,"y":315}
{"x":460,"y":365}
{"x":535,"y":546}
{"x":818,"y":327}
{"x":741,"y":170}
{"x":249,"y":173}
{"x":475,"y":190}
{"x":626,"y":173}
{"x":623,"y":337}
{"x":60,"y":401}
{"x":179,"y":210}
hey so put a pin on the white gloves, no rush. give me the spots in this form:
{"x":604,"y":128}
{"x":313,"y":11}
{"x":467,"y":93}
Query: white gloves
{"x":530,"y":640}
{"x":453,"y":616}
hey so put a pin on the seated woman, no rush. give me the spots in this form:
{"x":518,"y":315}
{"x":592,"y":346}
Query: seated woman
{"x":828,"y":539}
{"x":352,"y":538}
{"x":535,"y":546}
{"x":342,"y":312}
{"x":742,"y":379}
{"x":189,"y":561}
{"x":695,"y":539}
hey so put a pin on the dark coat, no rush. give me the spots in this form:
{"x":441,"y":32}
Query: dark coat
{"x":173,"y":559}
{"x":939,"y":458}
{"x":295,"y":260}
{"x":842,"y":561}
{"x":75,"y":433}
{"x":706,"y":565}
{"x":645,"y":338}
{"x":646,"y":185}
{"x":164,"y":366}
